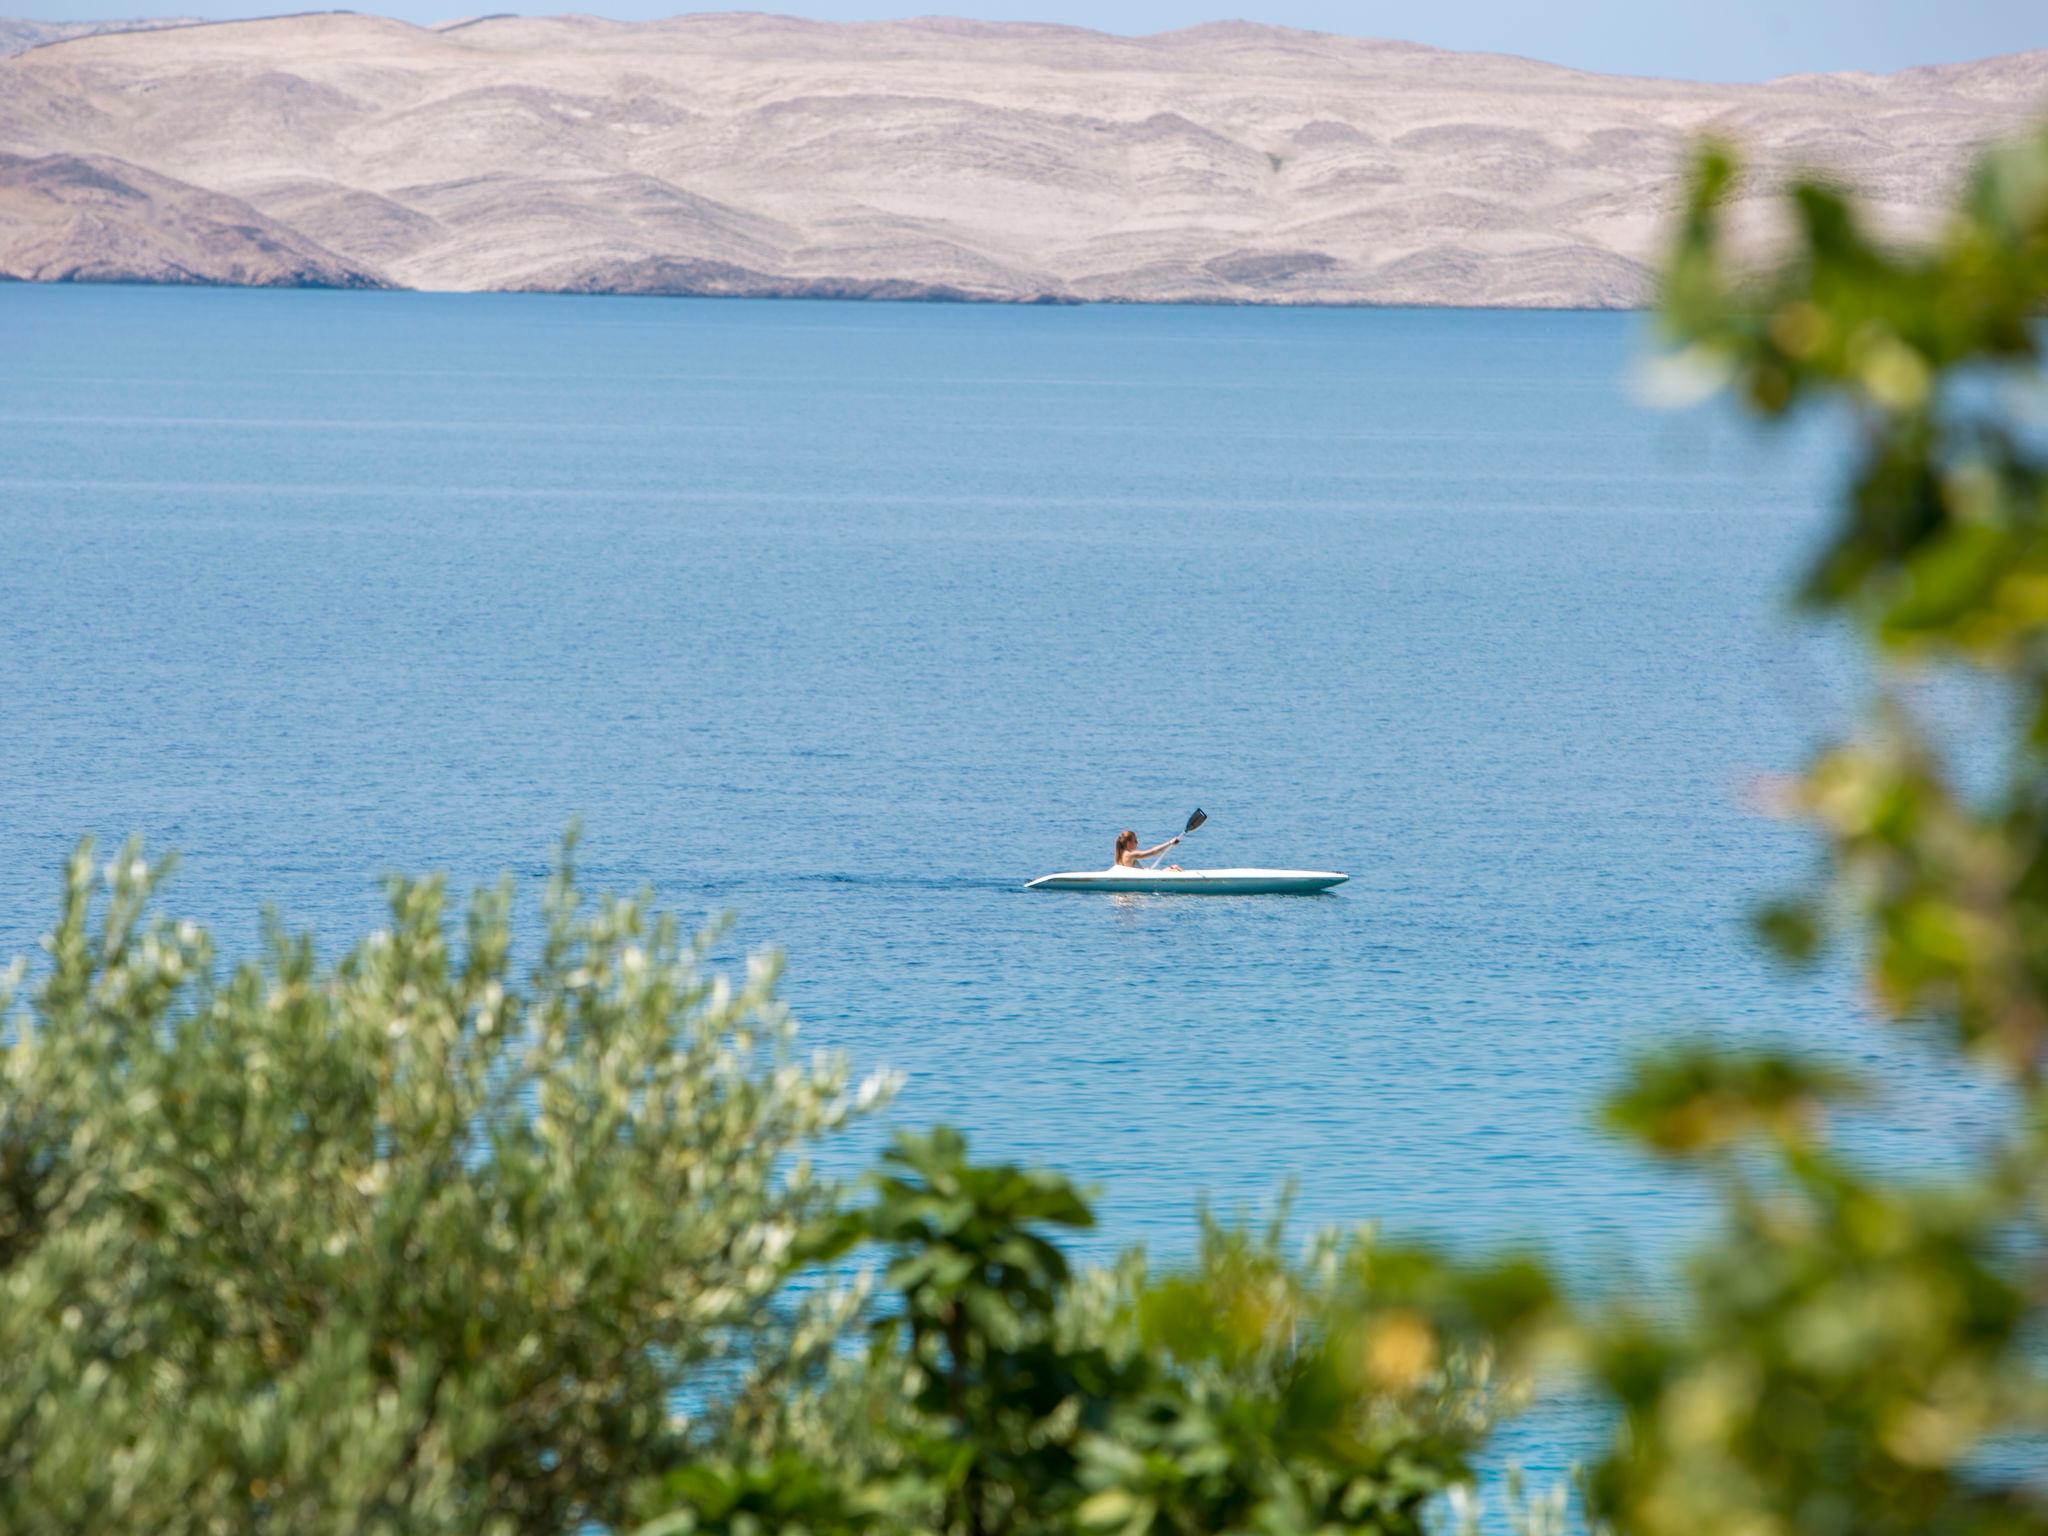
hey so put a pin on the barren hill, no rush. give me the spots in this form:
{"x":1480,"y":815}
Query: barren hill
{"x":765,"y":155}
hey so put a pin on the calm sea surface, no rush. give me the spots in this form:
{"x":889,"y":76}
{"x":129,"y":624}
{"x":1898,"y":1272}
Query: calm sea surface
{"x":852,"y":618}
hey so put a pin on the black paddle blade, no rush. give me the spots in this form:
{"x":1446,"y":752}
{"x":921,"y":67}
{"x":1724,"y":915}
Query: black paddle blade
{"x":1194,"y":821}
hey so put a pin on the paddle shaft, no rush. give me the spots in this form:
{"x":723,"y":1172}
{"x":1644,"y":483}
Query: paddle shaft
{"x":1194,"y":821}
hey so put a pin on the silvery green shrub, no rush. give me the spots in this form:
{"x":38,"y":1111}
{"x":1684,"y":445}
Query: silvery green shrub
{"x":401,"y":1243}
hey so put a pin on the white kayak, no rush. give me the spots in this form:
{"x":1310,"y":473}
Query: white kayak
{"x":1193,"y":882}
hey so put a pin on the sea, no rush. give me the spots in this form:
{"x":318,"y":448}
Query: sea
{"x":849,"y":619}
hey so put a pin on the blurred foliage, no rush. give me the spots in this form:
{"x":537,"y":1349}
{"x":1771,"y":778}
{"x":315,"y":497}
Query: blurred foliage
{"x":390,"y":1245}
{"x":1940,"y":557}
{"x":1857,"y":1354}
{"x":1003,"y":1394}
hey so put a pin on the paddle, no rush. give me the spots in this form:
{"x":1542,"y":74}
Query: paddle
{"x":1194,"y":821}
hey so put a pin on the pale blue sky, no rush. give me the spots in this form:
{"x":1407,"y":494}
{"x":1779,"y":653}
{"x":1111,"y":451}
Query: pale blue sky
{"x":1703,"y":39}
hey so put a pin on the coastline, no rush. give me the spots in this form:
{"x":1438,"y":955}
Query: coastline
{"x":829,"y":293}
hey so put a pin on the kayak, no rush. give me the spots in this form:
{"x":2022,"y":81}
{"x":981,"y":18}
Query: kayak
{"x":1193,"y":882}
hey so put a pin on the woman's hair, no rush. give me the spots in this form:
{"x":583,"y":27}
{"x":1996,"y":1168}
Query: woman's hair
{"x":1126,"y":839}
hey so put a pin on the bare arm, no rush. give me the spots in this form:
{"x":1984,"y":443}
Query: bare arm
{"x":1146,"y":853}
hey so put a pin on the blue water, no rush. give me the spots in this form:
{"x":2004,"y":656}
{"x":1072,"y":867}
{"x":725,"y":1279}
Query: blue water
{"x":853,"y":618}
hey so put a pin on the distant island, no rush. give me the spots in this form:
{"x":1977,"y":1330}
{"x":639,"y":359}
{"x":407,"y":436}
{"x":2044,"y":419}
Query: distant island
{"x":758,"y":155}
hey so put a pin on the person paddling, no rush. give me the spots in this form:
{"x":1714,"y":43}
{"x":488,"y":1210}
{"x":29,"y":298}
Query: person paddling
{"x":1128,"y":853}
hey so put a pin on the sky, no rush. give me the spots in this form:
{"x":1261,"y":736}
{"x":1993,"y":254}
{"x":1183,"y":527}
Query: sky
{"x":1694,"y":39}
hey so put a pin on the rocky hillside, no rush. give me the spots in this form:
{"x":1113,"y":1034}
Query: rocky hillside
{"x":758,"y":155}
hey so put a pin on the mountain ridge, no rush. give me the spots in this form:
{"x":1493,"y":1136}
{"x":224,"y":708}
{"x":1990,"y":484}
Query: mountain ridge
{"x":18,"y":35}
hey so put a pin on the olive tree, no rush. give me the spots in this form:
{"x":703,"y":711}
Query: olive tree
{"x":400,"y":1243}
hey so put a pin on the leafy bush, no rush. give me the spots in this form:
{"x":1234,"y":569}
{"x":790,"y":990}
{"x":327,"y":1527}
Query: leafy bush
{"x":1860,"y":1355}
{"x":396,"y":1244}
{"x":1003,"y":1394}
